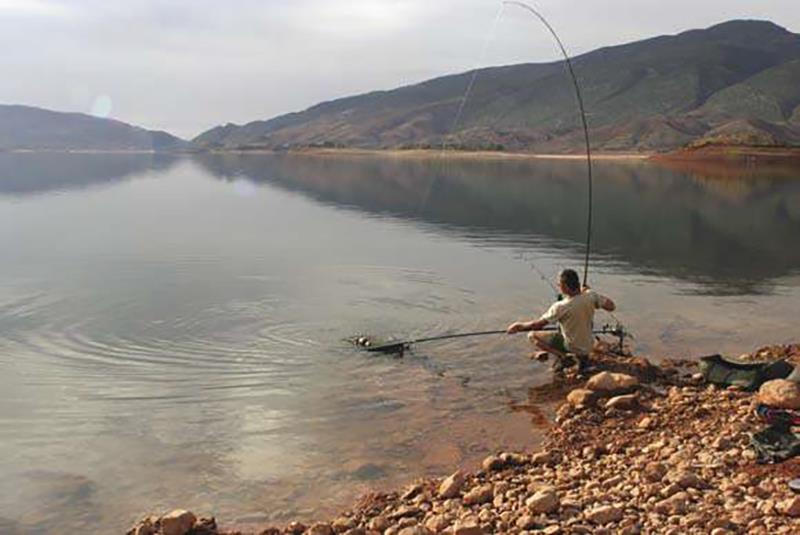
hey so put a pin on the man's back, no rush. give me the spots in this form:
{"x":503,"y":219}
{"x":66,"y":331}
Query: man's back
{"x":574,"y":314}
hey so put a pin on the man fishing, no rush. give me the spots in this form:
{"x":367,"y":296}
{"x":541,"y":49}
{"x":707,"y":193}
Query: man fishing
{"x":574,"y":314}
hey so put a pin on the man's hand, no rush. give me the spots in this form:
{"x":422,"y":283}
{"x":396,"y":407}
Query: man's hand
{"x":515,"y":327}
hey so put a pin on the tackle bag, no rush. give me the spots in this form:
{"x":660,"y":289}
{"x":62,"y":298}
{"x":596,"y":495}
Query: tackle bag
{"x":722,"y":371}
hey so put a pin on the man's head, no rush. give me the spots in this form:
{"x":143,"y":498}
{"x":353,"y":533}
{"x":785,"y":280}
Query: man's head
{"x":568,"y":282}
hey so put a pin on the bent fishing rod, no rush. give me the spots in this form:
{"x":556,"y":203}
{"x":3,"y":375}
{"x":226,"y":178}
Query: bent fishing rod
{"x":401,"y":346}
{"x":579,"y":97}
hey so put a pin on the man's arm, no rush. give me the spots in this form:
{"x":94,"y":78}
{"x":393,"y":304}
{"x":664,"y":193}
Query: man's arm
{"x":521,"y":326}
{"x":607,"y":304}
{"x":602,"y":301}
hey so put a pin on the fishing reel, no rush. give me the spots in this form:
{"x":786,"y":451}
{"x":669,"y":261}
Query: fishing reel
{"x":619,"y":332}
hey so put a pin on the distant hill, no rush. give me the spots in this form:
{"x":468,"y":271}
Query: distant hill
{"x":25,"y":127}
{"x":736,"y":82}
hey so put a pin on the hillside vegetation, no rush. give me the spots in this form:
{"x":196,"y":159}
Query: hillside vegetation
{"x":734,"y":83}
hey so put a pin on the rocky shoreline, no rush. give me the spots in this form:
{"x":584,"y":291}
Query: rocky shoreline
{"x":636,"y":448}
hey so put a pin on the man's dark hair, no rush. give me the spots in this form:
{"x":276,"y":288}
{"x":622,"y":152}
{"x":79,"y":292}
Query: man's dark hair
{"x":570,"y":279}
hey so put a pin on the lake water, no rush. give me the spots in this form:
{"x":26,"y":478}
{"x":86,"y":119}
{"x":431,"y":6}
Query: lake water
{"x":172,"y":330}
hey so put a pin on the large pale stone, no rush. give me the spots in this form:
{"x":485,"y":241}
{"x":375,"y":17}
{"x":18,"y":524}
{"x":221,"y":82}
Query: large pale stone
{"x":479,"y":495}
{"x":604,"y":514}
{"x":611,"y":382}
{"x":177,"y":522}
{"x":544,"y":501}
{"x":437,"y":523}
{"x":780,"y":393}
{"x":451,"y":486}
{"x":467,"y":526}
{"x":582,"y":397}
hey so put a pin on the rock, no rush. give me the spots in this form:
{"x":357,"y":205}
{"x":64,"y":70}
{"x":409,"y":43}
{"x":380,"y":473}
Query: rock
{"x":552,"y":530}
{"x":208,"y":526}
{"x":296,"y":528}
{"x":479,"y":495}
{"x":342,"y":524}
{"x":645,"y":423}
{"x":544,"y":501}
{"x":411,"y":491}
{"x":414,"y":530}
{"x":544,"y":457}
{"x":626,"y":403}
{"x":177,"y":522}
{"x":722,"y":443}
{"x":674,"y":505}
{"x":687,"y":480}
{"x":526,"y":522}
{"x":604,"y":514}
{"x":437,"y":523}
{"x":780,"y":393}
{"x":320,"y":528}
{"x":790,"y":507}
{"x":582,"y":397}
{"x":493,"y":462}
{"x":467,"y":526}
{"x":451,"y":486}
{"x":514,"y":459}
{"x":379,"y":523}
{"x":654,"y":471}
{"x":611,"y":382}
{"x":144,"y":527}
{"x":405,"y":511}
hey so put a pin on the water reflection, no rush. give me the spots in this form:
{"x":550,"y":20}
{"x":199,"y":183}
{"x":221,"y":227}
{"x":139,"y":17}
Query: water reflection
{"x":23,"y":174}
{"x":729,"y":235}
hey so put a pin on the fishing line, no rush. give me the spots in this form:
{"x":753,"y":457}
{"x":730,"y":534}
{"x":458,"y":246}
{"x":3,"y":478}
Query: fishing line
{"x":579,"y":97}
{"x":463,"y":102}
{"x":489,"y":38}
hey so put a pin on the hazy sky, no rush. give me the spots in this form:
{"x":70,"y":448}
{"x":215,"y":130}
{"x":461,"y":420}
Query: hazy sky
{"x":187,"y":65}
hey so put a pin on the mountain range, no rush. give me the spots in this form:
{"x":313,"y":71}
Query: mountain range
{"x":29,"y":128}
{"x":734,"y":83}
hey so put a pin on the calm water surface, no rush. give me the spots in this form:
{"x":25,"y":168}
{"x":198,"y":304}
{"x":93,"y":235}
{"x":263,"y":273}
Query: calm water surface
{"x":172,"y":329}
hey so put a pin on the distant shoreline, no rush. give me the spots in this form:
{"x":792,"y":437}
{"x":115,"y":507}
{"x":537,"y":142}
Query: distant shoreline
{"x":433,"y":153}
{"x":727,"y":155}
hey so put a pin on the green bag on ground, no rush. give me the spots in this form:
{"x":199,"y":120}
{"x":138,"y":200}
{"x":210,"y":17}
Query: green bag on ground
{"x":721,"y":371}
{"x":775,"y":444}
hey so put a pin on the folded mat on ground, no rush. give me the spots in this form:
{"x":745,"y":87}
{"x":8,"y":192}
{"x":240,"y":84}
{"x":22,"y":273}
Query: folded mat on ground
{"x":775,"y":444}
{"x":723,"y":371}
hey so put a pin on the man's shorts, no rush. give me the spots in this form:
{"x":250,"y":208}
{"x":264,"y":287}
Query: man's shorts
{"x":554,"y":340}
